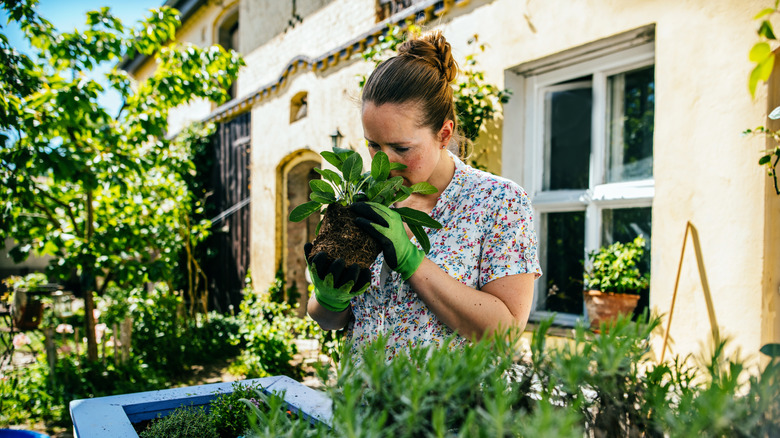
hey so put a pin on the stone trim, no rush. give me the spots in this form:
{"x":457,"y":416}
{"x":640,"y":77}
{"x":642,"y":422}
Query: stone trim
{"x":421,"y":13}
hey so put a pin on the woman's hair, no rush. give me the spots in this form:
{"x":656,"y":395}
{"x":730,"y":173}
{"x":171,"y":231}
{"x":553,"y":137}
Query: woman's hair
{"x":422,"y":74}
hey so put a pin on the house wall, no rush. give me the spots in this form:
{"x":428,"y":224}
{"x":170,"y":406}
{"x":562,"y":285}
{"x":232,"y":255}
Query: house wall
{"x":705,"y":172}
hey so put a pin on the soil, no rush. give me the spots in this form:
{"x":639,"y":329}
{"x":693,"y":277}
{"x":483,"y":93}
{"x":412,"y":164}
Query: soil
{"x":339,"y":237}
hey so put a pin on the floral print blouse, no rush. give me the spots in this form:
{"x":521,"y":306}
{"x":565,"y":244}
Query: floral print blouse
{"x":487,"y":234}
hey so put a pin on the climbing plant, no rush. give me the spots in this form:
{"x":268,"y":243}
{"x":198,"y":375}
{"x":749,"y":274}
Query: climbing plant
{"x":763,"y":56}
{"x":476,"y":101}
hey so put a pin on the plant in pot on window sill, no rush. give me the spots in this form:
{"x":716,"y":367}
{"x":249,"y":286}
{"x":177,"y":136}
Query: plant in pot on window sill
{"x":337,"y":234}
{"x":613,"y":281}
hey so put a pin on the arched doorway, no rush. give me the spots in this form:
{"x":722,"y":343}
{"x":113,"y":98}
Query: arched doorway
{"x":296,"y":174}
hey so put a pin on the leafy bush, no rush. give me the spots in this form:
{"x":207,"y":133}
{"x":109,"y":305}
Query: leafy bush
{"x":168,"y":341}
{"x":35,"y":393}
{"x":229,"y":414}
{"x":185,"y":422}
{"x":615,"y":268}
{"x":269,"y":416}
{"x":594,"y":385}
{"x":268,"y":329}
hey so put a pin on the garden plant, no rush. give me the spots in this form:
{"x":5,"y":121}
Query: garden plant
{"x":337,"y":234}
{"x":606,"y":385}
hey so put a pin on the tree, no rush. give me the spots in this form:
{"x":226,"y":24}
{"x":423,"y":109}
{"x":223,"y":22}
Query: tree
{"x":102,"y":193}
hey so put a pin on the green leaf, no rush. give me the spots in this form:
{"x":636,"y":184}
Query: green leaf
{"x":305,"y":210}
{"x":397,"y":166}
{"x":416,"y":217}
{"x":763,"y":13}
{"x":330,"y":175}
{"x":332,"y":158}
{"x":421,"y":236}
{"x":766,"y":67}
{"x":771,"y":350}
{"x":343,"y":153}
{"x":403,"y":193}
{"x":764,"y":160}
{"x":775,"y":114}
{"x":759,"y":52}
{"x":386,"y":190}
{"x":424,"y":188}
{"x":323,"y":197}
{"x":766,"y":31}
{"x":380,"y":166}
{"x":352,"y":168}
{"x":318,"y":185}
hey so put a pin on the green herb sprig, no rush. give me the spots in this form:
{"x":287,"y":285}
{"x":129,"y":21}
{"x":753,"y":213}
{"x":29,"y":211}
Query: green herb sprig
{"x":350,"y":185}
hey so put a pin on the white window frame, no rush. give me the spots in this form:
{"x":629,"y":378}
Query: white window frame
{"x":524,"y":133}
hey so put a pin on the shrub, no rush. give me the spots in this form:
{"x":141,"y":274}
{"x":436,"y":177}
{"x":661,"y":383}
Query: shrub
{"x":166,"y":340}
{"x":268,"y":329}
{"x":229,"y":414}
{"x":184,"y":422}
{"x":593,"y":385}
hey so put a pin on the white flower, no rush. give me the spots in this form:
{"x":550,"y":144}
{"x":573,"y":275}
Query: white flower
{"x":21,"y":340}
{"x":99,"y":330}
{"x":64,"y":328}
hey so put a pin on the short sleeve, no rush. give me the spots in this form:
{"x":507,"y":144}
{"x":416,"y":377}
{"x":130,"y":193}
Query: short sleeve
{"x":510,"y":245}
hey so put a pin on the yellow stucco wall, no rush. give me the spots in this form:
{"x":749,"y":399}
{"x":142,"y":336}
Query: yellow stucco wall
{"x":704,"y":171}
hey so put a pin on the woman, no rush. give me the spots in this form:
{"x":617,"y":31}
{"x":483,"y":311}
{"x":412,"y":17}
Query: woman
{"x":478,"y":276}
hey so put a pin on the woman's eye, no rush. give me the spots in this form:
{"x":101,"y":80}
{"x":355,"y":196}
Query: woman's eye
{"x":373,"y":145}
{"x":401,"y":150}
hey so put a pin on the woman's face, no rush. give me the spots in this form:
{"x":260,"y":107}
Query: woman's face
{"x":394,"y":129}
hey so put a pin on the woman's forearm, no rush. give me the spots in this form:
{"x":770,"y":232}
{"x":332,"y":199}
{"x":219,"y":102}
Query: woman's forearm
{"x":501,"y":304}
{"x":328,"y":320}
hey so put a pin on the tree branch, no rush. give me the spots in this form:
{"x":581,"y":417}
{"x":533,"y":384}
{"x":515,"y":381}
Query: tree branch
{"x":68,"y":211}
{"x":49,"y":214}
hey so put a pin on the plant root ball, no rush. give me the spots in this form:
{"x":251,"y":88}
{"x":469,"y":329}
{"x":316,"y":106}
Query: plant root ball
{"x":339,"y":237}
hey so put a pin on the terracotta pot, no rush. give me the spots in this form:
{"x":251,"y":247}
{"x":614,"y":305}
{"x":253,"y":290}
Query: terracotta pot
{"x":605,"y":307}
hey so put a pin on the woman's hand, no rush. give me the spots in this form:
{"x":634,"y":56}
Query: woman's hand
{"x":386,"y":226}
{"x":335,"y":286}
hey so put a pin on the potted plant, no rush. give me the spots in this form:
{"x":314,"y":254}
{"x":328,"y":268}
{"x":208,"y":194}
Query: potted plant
{"x":336,"y":234}
{"x":613,"y":281}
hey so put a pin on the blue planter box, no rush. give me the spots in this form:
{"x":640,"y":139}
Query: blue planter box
{"x":113,"y":416}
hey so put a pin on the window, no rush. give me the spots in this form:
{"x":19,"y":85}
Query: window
{"x":299,"y":106}
{"x":586,"y":120}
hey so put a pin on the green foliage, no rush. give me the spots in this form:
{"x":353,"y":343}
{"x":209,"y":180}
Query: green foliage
{"x":184,"y":422}
{"x":762,"y":55}
{"x":351,"y":185}
{"x":168,"y":342}
{"x":592,"y":385}
{"x":615,"y":268}
{"x":37,"y":393}
{"x":229,"y":414}
{"x":268,"y":329}
{"x":27,"y":282}
{"x":104,"y":194}
{"x":269,"y":416}
{"x":476,"y":101}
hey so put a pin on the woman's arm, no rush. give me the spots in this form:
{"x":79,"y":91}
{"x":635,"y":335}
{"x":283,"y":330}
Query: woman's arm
{"x":327,"y":319}
{"x":501,"y":304}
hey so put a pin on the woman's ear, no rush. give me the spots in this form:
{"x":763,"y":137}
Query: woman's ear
{"x":445,"y":133}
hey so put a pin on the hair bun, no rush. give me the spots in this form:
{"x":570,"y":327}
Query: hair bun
{"x":434,"y":49}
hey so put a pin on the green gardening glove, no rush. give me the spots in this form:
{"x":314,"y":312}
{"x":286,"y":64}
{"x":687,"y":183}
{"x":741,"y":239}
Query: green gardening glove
{"x":335,"y":286}
{"x":386,"y":226}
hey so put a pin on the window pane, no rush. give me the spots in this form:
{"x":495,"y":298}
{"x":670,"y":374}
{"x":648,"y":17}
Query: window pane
{"x":562,"y":262}
{"x":567,"y":137}
{"x":630,"y":125}
{"x":623,"y":225}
